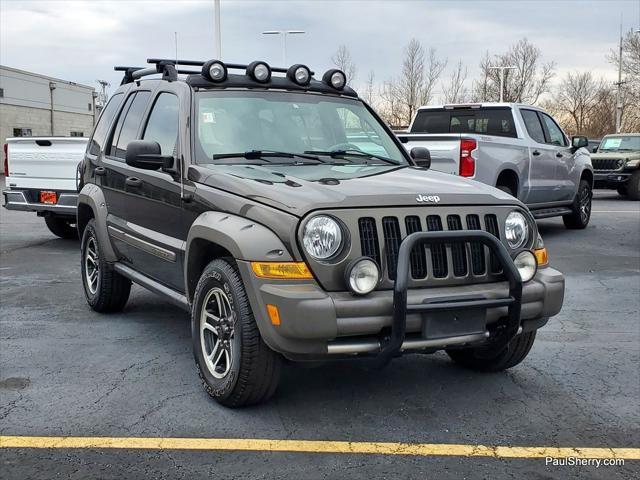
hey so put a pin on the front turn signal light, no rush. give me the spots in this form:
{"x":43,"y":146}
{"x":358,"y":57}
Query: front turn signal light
{"x":541,"y":256}
{"x":282,"y":270}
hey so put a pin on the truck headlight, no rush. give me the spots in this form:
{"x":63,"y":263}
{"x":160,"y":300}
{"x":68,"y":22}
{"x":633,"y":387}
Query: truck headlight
{"x":516,"y":229}
{"x":322,"y":237}
{"x":526,"y":264}
{"x":362,"y":275}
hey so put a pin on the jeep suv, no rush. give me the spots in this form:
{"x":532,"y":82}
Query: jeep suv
{"x":282,"y":213}
{"x":617,"y":164}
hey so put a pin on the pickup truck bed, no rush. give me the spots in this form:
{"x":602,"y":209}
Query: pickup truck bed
{"x":41,"y":177}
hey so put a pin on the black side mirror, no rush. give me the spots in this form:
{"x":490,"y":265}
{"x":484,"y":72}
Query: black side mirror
{"x":578,"y":141}
{"x":594,"y":150}
{"x":147,"y":154}
{"x":421,"y":157}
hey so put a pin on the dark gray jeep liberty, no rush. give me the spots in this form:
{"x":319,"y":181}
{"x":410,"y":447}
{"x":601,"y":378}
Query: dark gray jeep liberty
{"x":288,"y":219}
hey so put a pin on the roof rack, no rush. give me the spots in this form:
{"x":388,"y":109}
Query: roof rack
{"x":199,"y":78}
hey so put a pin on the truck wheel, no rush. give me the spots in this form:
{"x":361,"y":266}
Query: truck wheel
{"x":104,"y":288}
{"x":581,"y":208}
{"x":235,"y":365}
{"x":61,"y":227}
{"x":485,"y":361}
{"x":633,"y":186}
{"x":506,"y":189}
{"x":622,"y":191}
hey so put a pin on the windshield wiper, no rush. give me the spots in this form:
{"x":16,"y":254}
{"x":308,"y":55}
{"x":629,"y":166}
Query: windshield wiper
{"x":352,"y":152}
{"x":264,"y":155}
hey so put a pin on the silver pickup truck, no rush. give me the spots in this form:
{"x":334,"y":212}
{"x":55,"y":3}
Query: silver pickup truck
{"x":519,"y":149}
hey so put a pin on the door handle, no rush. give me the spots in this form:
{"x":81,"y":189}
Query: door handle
{"x":535,"y":152}
{"x":133,"y":182}
{"x":559,"y":155}
{"x":100,"y":171}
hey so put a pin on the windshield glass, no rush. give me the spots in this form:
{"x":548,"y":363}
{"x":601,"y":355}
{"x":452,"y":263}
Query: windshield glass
{"x":611,"y":144}
{"x":241,"y":121}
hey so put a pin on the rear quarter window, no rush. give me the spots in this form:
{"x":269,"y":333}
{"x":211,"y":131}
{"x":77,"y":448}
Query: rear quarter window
{"x":487,"y":121}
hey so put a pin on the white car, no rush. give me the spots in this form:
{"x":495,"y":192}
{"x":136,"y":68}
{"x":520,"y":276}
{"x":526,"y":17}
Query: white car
{"x":41,"y":177}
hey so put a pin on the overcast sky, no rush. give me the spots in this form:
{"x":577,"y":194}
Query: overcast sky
{"x":81,"y":41}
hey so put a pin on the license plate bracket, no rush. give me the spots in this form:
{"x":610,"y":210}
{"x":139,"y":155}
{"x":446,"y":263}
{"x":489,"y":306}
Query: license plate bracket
{"x":454,"y":322}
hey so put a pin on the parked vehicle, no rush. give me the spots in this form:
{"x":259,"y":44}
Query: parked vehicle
{"x":41,"y":177}
{"x":519,"y":149}
{"x":288,"y":219}
{"x":616,"y":164}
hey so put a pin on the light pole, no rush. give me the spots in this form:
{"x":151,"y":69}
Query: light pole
{"x":284,"y":34}
{"x":502,"y":69}
{"x":216,"y":13}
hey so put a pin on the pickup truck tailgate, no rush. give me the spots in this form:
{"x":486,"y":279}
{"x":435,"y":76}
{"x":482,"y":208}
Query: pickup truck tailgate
{"x":444,"y":149}
{"x":44,"y":162}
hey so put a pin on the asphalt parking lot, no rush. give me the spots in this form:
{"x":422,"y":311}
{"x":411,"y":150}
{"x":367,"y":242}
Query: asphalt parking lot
{"x":67,"y":371}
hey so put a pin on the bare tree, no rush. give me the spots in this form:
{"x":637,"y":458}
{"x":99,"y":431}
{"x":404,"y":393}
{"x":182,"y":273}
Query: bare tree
{"x":631,"y":81}
{"x":455,"y":90}
{"x":392,"y":110}
{"x":369,"y":89}
{"x":577,"y":97}
{"x":342,"y":59}
{"x":434,"y":68}
{"x":530,"y":79}
{"x":411,"y":83}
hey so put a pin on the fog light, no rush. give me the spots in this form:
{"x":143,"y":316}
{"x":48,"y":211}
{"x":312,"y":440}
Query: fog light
{"x":526,"y":264}
{"x":259,"y":71}
{"x":362,"y":275}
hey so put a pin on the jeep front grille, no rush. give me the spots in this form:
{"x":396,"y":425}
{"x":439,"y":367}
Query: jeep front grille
{"x":436,"y":260}
{"x":607,"y":163}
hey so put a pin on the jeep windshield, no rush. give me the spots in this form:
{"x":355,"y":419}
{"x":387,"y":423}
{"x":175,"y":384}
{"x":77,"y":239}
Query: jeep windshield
{"x":620,"y":144}
{"x":283,"y":128}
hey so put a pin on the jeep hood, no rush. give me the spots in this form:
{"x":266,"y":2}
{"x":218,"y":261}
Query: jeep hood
{"x":300,"y":189}
{"x":626,"y":156}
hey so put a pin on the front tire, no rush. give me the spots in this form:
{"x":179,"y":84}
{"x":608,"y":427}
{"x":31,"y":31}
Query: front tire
{"x":61,"y":227}
{"x":581,"y":208}
{"x":483,"y":360}
{"x":235,"y":365}
{"x":104,"y":288}
{"x":633,"y":186}
{"x":622,"y":191}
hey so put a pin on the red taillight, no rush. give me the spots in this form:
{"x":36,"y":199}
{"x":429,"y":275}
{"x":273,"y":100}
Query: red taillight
{"x":467,"y":162}
{"x":6,"y":160}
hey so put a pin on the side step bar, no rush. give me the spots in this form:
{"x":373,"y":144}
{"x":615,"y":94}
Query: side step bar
{"x":550,"y":212}
{"x":174,"y":297}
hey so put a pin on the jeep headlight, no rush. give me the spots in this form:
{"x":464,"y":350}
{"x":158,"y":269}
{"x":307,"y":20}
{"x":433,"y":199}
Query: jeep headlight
{"x":516,"y":229}
{"x":322,"y":237}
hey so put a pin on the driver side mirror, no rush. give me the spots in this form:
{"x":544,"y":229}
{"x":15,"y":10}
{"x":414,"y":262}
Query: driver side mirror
{"x":421,"y":157}
{"x":147,"y":154}
{"x":578,"y":141}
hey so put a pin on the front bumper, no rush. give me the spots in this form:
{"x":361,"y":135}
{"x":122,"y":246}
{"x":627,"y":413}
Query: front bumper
{"x":19,"y":200}
{"x":610,"y":179}
{"x":317,"y":323}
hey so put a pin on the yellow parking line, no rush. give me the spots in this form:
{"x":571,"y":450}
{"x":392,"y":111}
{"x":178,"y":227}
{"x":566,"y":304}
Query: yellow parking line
{"x":316,"y":446}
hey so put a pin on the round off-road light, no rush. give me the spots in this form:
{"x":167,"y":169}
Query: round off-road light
{"x":335,"y":78}
{"x":362,"y":275}
{"x":215,"y":70}
{"x":299,"y":74}
{"x":526,"y":264}
{"x":259,"y":71}
{"x":516,"y":229}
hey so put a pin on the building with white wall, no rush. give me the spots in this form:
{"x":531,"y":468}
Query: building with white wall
{"x":36,"y":105}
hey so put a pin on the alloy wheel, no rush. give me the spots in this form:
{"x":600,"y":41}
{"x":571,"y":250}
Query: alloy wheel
{"x":91,"y":265}
{"x":217,"y":325}
{"x":585,"y":204}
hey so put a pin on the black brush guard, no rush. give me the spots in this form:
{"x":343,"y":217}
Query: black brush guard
{"x":400,"y":308}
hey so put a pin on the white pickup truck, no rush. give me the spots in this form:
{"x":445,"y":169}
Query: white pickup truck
{"x":519,"y":149}
{"x":41,"y":177}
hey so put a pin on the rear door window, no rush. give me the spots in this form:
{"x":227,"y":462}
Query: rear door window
{"x":487,"y":121}
{"x":532,"y":123}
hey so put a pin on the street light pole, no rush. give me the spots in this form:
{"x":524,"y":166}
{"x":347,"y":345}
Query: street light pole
{"x":284,"y":34}
{"x":619,"y":84}
{"x":502,"y":69}
{"x":216,"y":12}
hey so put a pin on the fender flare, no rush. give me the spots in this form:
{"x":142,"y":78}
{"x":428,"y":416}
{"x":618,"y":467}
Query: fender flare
{"x":243,"y":238}
{"x":92,"y":196}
